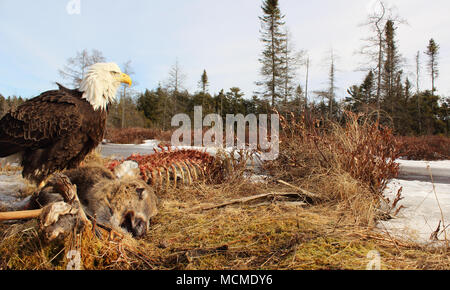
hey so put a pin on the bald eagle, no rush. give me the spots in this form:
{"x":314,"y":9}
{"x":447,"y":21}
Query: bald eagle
{"x":57,"y":129}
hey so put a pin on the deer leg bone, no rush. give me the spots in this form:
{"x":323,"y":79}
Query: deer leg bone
{"x":20,"y":215}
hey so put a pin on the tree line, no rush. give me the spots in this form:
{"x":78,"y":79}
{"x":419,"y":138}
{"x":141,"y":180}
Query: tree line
{"x":386,"y":92}
{"x":9,"y":103}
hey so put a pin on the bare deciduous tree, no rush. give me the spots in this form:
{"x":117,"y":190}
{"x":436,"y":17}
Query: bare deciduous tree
{"x":176,"y":78}
{"x":292,"y":59}
{"x":374,"y":47}
{"x":75,"y":68}
{"x":330,"y":92}
{"x":126,"y":68}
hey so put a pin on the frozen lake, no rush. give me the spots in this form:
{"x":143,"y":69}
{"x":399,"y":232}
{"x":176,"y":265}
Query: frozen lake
{"x":123,"y":151}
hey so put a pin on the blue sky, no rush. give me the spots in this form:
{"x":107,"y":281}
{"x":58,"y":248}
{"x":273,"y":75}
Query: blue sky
{"x":37,"y":37}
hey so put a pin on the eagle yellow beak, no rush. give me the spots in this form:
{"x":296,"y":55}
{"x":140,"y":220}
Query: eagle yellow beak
{"x":124,"y":78}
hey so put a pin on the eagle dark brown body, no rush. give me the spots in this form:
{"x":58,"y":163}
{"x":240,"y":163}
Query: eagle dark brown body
{"x":52,"y":132}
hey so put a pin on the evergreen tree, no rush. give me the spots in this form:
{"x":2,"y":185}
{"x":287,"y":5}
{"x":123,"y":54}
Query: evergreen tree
{"x":430,"y":108}
{"x":300,"y":99}
{"x":368,"y":89}
{"x":155,"y":106}
{"x":391,"y":85}
{"x":274,"y":40}
{"x":433,"y":53}
{"x":3,"y":106}
{"x":219,"y":103}
{"x":362,"y":97}
{"x":13,"y":102}
{"x":235,"y":96}
{"x":203,"y":83}
{"x":444,"y":114}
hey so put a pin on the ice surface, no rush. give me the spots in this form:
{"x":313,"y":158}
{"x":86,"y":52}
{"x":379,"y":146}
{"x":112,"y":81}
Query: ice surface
{"x":423,"y":203}
{"x":10,"y":191}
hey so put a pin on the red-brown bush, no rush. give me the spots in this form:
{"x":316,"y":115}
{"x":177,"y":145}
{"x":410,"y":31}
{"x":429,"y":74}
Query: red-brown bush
{"x":348,"y":165}
{"x":425,"y":148}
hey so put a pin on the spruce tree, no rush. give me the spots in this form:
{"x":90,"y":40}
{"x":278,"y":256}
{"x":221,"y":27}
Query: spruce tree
{"x":361,"y":97}
{"x":392,"y":87}
{"x":203,"y":83}
{"x":433,"y":53}
{"x":368,"y":88}
{"x":274,"y":40}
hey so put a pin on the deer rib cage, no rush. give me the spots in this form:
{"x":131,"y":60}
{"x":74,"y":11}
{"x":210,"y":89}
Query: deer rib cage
{"x":171,"y":168}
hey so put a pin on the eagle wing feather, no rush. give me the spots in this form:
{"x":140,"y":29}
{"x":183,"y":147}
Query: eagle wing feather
{"x":38,"y":122}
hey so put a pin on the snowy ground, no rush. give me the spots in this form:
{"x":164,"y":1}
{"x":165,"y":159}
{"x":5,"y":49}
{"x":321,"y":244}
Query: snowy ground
{"x":419,"y":170}
{"x":125,"y":150}
{"x":423,"y":199}
{"x":10,"y":188}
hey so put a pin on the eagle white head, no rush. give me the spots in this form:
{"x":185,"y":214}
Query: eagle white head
{"x":101,"y":82}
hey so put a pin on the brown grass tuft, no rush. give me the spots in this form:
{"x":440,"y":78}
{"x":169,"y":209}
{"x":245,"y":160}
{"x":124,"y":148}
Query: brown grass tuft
{"x":349,"y":165}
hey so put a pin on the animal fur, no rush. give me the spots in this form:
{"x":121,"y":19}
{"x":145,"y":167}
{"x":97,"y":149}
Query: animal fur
{"x":125,"y":205}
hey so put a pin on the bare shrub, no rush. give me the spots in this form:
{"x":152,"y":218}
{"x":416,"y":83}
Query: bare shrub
{"x":349,"y":165}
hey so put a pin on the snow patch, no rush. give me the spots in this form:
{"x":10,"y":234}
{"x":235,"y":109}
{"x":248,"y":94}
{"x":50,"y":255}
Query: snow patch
{"x":412,"y":167}
{"x":11,"y":186}
{"x":420,"y":217}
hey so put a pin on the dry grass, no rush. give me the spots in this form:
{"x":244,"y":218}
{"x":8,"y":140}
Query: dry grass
{"x":265,"y":236}
{"x":347,"y":166}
